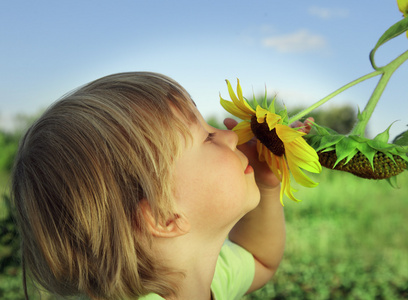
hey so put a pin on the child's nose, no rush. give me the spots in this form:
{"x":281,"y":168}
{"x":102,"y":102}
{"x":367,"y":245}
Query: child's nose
{"x":230,"y":138}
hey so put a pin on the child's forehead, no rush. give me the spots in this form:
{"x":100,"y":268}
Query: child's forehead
{"x":187,"y":112}
{"x":194,"y":123}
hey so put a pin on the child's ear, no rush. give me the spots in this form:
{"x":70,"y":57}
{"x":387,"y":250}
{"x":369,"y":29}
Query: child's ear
{"x":177,"y":225}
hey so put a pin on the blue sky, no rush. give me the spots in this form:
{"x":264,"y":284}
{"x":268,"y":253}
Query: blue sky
{"x":301,"y":50}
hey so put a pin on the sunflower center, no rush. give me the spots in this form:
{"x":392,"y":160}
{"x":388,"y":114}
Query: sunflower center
{"x":267,"y":137}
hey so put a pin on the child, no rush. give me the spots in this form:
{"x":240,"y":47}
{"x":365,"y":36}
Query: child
{"x":123,"y":191}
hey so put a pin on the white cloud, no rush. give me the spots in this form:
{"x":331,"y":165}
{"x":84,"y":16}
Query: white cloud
{"x":299,"y":41}
{"x":328,"y":13}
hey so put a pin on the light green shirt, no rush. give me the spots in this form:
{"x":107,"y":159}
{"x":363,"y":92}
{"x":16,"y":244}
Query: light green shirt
{"x":233,"y":275}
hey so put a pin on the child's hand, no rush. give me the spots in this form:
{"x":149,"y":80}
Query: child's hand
{"x":263,"y":174}
{"x":304,"y":126}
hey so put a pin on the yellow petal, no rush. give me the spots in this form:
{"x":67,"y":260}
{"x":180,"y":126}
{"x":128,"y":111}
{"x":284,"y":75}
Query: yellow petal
{"x":239,"y":101}
{"x":403,"y":6}
{"x":259,"y":148}
{"x":239,"y":91}
{"x":272,"y":119}
{"x":302,"y":155}
{"x":299,"y":176}
{"x":231,"y":92}
{"x":287,"y":134}
{"x":233,"y":109}
{"x":273,"y":163}
{"x":244,"y":132}
{"x":261,"y":114}
{"x":286,"y":181}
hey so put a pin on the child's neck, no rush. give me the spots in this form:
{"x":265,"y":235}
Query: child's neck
{"x":197,"y":261}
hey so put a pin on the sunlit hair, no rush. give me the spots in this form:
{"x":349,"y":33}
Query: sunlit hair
{"x":80,"y":173}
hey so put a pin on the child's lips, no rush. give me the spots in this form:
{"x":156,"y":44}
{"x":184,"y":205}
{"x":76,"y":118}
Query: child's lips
{"x":248,"y":169}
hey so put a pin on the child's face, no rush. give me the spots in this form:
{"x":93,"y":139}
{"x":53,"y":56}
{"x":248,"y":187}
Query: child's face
{"x":215,"y":186}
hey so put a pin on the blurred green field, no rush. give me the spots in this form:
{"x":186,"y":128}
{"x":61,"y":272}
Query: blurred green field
{"x":347,"y":239}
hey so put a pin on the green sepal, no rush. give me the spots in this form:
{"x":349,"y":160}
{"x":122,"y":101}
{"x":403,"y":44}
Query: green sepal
{"x":384,"y":136}
{"x":313,"y":140}
{"x":265,"y":102}
{"x":284,"y":114}
{"x":361,"y":115}
{"x":380,"y":146}
{"x":271,"y":107}
{"x":328,"y":149}
{"x":395,"y":30}
{"x":254,"y":103}
{"x":351,"y":155}
{"x":346,"y":148}
{"x":367,"y":151}
{"x":393,"y":182}
{"x":322,"y":137}
{"x":329,"y":140}
{"x":323,"y":130}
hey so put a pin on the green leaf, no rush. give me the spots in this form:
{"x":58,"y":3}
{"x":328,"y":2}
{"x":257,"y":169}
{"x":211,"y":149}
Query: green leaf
{"x":401,"y":139}
{"x":392,"y":32}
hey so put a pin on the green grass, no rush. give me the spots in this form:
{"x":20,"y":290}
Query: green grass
{"x":4,"y":184}
{"x":347,"y":239}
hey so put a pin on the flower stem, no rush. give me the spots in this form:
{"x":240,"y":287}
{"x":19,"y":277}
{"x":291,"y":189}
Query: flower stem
{"x":365,"y":116}
{"x":387,"y":71}
{"x":328,"y":97}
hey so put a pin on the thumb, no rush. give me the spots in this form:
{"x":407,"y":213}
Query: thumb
{"x":230,"y":123}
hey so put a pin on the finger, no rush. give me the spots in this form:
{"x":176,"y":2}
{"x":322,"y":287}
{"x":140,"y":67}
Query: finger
{"x":230,"y":123}
{"x":308,"y":124}
{"x":296,"y":124}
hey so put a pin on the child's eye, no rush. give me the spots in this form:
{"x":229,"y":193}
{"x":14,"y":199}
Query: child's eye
{"x":210,"y":137}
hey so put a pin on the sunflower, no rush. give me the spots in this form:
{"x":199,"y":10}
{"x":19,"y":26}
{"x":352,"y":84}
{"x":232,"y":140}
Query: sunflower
{"x":403,"y":7}
{"x":280,"y":146}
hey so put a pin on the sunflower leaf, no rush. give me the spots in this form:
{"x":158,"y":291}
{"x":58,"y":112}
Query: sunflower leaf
{"x":401,"y":139}
{"x":390,"y":33}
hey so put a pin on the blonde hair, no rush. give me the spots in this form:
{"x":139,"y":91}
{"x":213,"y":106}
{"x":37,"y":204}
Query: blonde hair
{"x":80,"y":173}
